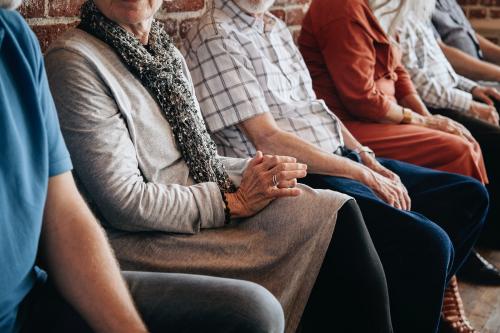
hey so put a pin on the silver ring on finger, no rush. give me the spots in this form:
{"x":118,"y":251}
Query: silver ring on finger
{"x":275,"y":180}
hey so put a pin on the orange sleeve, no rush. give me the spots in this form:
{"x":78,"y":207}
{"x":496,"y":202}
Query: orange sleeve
{"x":349,"y":54}
{"x":404,"y":85}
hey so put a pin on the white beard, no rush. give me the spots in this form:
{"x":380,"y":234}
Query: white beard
{"x":10,"y":4}
{"x":254,"y":6}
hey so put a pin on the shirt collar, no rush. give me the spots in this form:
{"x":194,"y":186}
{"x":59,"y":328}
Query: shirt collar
{"x":244,"y":20}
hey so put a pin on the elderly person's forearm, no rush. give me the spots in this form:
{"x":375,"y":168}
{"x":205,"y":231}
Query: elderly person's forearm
{"x":469,"y":66}
{"x":272,"y":140}
{"x":490,"y":50}
{"x":69,"y":225}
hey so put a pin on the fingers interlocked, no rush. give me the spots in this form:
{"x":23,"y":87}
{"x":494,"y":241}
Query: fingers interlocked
{"x":284,"y":175}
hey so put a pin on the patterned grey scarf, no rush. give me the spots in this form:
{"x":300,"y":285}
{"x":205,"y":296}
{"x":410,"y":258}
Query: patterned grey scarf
{"x":159,"y":68}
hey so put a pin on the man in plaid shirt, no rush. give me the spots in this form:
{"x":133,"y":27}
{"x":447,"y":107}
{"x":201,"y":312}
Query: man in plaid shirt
{"x":255,"y":93}
{"x":435,"y":79}
{"x":458,"y":98}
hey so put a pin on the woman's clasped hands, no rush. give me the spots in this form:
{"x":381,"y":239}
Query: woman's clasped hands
{"x":266,"y":178}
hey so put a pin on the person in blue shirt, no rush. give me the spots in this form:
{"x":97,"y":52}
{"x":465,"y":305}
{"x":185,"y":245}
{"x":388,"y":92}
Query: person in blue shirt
{"x":45,"y":223}
{"x":471,"y":54}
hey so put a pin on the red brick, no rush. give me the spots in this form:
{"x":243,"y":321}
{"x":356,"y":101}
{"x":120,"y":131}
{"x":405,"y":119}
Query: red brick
{"x":32,"y":8}
{"x":183,"y":5}
{"x":477,"y":13}
{"x":65,"y":7}
{"x":48,"y":33}
{"x":468,"y":2}
{"x":279,"y":13}
{"x":490,"y":2}
{"x":294,"y":16}
{"x":495,"y":13}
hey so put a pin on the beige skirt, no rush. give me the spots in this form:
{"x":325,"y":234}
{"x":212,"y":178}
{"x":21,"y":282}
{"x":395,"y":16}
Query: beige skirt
{"x":281,"y":248}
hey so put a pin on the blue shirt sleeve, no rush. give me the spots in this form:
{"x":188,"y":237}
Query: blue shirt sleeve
{"x":59,"y":158}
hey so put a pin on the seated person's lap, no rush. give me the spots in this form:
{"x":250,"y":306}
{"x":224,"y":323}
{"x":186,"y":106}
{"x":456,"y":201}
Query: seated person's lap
{"x":181,"y":302}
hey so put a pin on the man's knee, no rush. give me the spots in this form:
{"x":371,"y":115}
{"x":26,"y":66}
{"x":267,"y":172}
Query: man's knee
{"x":474,"y":198}
{"x":437,"y":249}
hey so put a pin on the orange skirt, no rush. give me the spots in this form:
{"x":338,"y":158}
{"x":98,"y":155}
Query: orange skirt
{"x":422,"y":146}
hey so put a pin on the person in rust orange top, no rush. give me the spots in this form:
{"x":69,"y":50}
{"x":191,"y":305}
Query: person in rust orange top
{"x":356,"y":69}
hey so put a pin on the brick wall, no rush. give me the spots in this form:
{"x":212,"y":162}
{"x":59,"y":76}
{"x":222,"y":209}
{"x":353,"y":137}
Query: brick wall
{"x":485,"y":16}
{"x":49,"y":18}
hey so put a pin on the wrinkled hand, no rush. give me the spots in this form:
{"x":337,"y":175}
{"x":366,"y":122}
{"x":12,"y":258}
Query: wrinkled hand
{"x":385,"y":183}
{"x":257,"y":189}
{"x":484,"y":112}
{"x":448,"y":125}
{"x":486,"y":95}
{"x":371,"y":162}
{"x":391,"y":191}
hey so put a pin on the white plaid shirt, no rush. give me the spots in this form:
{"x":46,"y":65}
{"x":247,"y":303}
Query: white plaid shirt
{"x":242,"y":67}
{"x":436,"y":81}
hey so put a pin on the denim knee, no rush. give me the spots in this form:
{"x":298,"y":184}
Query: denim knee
{"x":440,"y":250}
{"x":477,"y":194}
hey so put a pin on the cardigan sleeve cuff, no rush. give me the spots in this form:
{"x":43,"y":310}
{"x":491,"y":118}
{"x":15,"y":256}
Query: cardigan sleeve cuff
{"x":210,"y":205}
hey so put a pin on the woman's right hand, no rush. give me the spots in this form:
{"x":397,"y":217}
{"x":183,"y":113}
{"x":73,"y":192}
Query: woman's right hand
{"x":257,"y":188}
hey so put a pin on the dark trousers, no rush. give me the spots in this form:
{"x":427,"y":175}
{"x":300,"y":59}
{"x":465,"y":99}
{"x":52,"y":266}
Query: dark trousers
{"x":167,"y":303}
{"x":350,"y":294}
{"x":488,"y":137}
{"x":422,"y":249}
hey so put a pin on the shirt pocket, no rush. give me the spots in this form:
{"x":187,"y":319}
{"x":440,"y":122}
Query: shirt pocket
{"x":276,"y":82}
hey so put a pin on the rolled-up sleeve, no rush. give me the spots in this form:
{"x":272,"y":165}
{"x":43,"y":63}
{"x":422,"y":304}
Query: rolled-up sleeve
{"x":105,"y":158}
{"x":465,"y":84}
{"x":59,"y":158}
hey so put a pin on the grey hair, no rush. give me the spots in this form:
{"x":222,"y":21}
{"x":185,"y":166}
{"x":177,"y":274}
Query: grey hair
{"x":10,"y":4}
{"x":392,"y":13}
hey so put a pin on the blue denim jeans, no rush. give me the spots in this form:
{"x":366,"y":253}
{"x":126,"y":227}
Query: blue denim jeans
{"x":423,"y":248}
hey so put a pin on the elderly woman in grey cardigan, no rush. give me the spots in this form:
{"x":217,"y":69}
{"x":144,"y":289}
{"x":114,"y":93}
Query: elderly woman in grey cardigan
{"x":151,"y":173}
